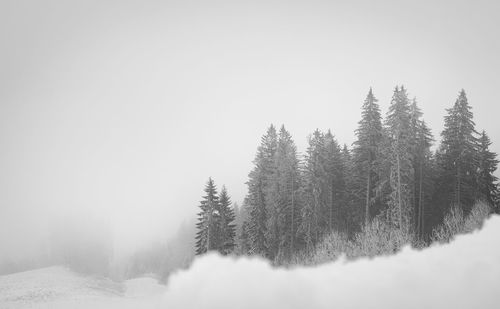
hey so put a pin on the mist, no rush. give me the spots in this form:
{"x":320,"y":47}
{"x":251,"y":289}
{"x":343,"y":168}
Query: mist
{"x":120,"y":111}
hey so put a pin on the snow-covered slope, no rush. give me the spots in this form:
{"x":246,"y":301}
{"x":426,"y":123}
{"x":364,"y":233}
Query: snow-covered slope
{"x":463,"y":274}
{"x":59,"y":287}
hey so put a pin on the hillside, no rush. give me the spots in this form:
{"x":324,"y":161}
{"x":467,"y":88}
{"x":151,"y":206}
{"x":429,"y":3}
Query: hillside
{"x":59,"y":287}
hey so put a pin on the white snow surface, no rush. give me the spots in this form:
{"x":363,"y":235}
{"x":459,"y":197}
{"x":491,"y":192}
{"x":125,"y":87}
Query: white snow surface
{"x":59,"y":287}
{"x":463,"y":274}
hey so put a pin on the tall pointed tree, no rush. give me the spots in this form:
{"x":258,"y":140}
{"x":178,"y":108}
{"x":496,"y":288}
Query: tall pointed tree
{"x":243,"y":222}
{"x":314,"y":181}
{"x":350,"y":212}
{"x":487,"y":182}
{"x":259,"y":199}
{"x":424,"y":177}
{"x":366,"y":153}
{"x":458,"y":156}
{"x":208,"y":218}
{"x":226,"y":227}
{"x":284,"y":216}
{"x":401,"y":171}
{"x":414,"y":127}
{"x":244,"y":240}
{"x":335,"y":182}
{"x":421,"y":141}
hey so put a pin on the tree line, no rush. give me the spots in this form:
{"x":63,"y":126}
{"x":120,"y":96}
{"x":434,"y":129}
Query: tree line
{"x":390,"y":174}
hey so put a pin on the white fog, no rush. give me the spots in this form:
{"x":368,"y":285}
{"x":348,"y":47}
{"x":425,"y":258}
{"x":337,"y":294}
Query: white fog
{"x":114,"y":114}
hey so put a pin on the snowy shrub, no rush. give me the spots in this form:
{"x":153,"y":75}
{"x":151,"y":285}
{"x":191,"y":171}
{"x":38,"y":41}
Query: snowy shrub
{"x":378,"y":238}
{"x":332,"y":247}
{"x":479,"y":213}
{"x":455,"y":223}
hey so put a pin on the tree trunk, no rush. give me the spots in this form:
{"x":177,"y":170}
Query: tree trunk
{"x":208,"y":228}
{"x":367,"y":203}
{"x":292,"y":233}
{"x":421,"y":203}
{"x":330,"y":227}
{"x":458,"y":186}
{"x":400,"y":206}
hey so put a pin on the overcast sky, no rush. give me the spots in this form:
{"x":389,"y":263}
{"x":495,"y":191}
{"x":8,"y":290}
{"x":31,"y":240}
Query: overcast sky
{"x":123,"y":109}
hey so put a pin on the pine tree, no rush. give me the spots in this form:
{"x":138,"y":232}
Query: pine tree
{"x":420,"y":142}
{"x":314,"y":181}
{"x":414,"y":129}
{"x":401,"y":171}
{"x":350,"y":214}
{"x":259,"y":197}
{"x":245,"y":246}
{"x":257,"y":227}
{"x":286,"y":185}
{"x":458,"y":157}
{"x":242,"y":223}
{"x":226,"y":227}
{"x":239,"y":219}
{"x":487,"y":182}
{"x":366,"y":153}
{"x":335,"y":182}
{"x":208,"y":218}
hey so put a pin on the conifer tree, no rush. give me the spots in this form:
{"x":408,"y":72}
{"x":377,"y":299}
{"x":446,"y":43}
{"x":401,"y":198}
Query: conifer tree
{"x":350,"y":213}
{"x":487,"y":182}
{"x":284,"y":216}
{"x":421,"y":141}
{"x":458,"y":157}
{"x":226,"y":227}
{"x":383,"y":185}
{"x":259,"y":197}
{"x":208,"y":218}
{"x":424,"y":176}
{"x":335,"y":183}
{"x":314,"y":181}
{"x":414,"y":129}
{"x":242,"y":223}
{"x":401,"y":171}
{"x":244,"y":240}
{"x":366,"y":153}
{"x":238,"y":221}
{"x":390,"y":173}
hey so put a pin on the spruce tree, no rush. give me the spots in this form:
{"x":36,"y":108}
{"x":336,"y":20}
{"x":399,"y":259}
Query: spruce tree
{"x":314,"y":181}
{"x":242,"y":223}
{"x":226,"y":227}
{"x":414,"y":128}
{"x":366,"y":153}
{"x":240,"y":219}
{"x":350,"y":213}
{"x":487,"y":182}
{"x":284,"y":216}
{"x":459,"y":157}
{"x":401,"y":171}
{"x":208,"y":218}
{"x":245,"y":245}
{"x":259,"y":197}
{"x":421,"y":141}
{"x":335,"y":182}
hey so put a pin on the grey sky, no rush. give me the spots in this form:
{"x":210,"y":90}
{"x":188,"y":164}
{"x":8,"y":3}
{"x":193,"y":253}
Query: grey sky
{"x":125,"y":108}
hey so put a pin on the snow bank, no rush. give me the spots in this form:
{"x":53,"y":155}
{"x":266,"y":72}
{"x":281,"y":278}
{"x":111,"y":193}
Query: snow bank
{"x":58,"y":288}
{"x":47,"y":284}
{"x":143,"y":287}
{"x":463,"y":274}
